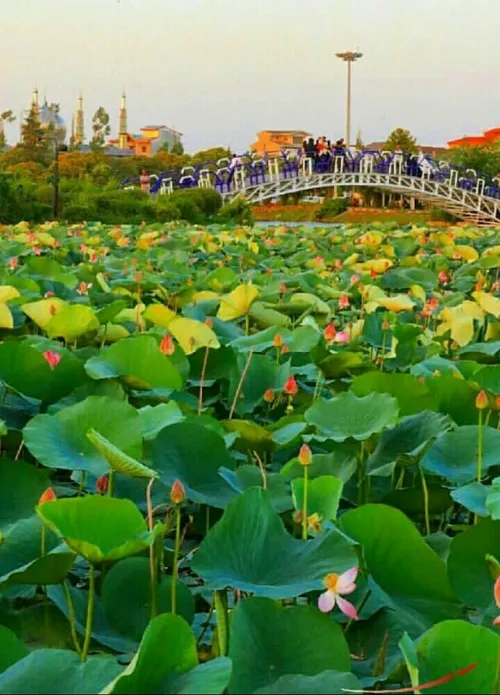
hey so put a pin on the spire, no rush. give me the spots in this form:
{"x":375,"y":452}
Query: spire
{"x":34,"y":101}
{"x":123,"y":128}
{"x":79,"y":122}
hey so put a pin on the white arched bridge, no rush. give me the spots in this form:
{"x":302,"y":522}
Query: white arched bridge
{"x":466,"y":193}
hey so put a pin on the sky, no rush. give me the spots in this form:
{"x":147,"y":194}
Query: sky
{"x":221,"y":70}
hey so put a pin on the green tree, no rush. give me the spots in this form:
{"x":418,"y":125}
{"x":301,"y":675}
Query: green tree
{"x":484,"y":160}
{"x":400,"y":137}
{"x":100,"y":129}
{"x":34,"y":142}
{"x":177,"y":147}
{"x":5,"y":117}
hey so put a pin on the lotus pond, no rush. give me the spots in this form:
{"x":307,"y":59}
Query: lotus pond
{"x":249,"y":460}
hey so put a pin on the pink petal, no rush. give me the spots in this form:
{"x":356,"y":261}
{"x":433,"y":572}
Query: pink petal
{"x":347,"y":608}
{"x":346,"y":581}
{"x":326,"y":601}
{"x":496,"y":592}
{"x":497,"y":620}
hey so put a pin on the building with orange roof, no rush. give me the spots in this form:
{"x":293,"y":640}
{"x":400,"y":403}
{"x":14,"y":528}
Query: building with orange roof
{"x":487,"y":138}
{"x":148,"y":142}
{"x":274,"y":141}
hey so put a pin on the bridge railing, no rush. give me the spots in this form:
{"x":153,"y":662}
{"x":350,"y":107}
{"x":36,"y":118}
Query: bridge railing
{"x":274,"y":167}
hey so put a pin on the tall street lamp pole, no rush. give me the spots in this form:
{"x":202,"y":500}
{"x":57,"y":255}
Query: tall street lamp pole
{"x":57,"y":149}
{"x":349,"y":57}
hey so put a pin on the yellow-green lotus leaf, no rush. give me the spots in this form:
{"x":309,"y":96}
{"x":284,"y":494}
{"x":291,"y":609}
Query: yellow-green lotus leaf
{"x":418,"y":292}
{"x":72,"y":322}
{"x":488,"y":303}
{"x":43,"y":311}
{"x":7,"y":292}
{"x":467,"y":253}
{"x":491,"y":251}
{"x":133,"y":315}
{"x":397,"y":303}
{"x":238,"y":302}
{"x":459,"y":320}
{"x":45,"y":239}
{"x":112,"y":333}
{"x":193,"y":335}
{"x":351,"y":260}
{"x":159,"y":314}
{"x":6,"y":319}
{"x":377,"y":265}
{"x":205,"y":296}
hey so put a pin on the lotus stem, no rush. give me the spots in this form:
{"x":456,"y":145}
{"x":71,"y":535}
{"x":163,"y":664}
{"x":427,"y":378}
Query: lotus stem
{"x":202,"y":380}
{"x":43,"y":540}
{"x":90,"y":615}
{"x":71,"y":617}
{"x":152,"y":562}
{"x":262,"y":470}
{"x":111,"y":483}
{"x":220,"y":603}
{"x":175,"y":568}
{"x":304,"y":503}
{"x":480,"y":447}
{"x":425,"y":491}
{"x":240,"y":384}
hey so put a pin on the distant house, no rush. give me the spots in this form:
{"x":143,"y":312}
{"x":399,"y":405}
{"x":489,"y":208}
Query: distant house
{"x":429,"y":150}
{"x":269,"y":141}
{"x":487,"y":138}
{"x":148,"y":142}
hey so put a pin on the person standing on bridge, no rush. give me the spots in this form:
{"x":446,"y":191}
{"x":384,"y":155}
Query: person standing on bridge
{"x":145,"y":181}
{"x":235,"y":162}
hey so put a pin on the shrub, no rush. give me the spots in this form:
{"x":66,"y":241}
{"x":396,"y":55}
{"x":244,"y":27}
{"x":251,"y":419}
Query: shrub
{"x":332,"y":207}
{"x":440,"y":215}
{"x":238,"y":212}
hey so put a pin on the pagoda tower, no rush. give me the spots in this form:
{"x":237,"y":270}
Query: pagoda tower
{"x":79,"y":123}
{"x":123,"y":129}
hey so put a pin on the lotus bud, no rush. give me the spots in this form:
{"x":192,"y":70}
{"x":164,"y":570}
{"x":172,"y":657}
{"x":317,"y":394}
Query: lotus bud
{"x":305,"y":455}
{"x":102,"y":484}
{"x":290,"y":387}
{"x":277,"y":340}
{"x":269,"y":395}
{"x":177,"y":492}
{"x":52,"y":358}
{"x":167,"y":346}
{"x":48,"y":496}
{"x":329,"y":333}
{"x":482,"y":400}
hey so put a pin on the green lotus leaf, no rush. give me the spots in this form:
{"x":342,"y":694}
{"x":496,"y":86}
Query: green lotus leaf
{"x":72,"y":322}
{"x":60,"y":440}
{"x":411,"y":576}
{"x":268,"y":642}
{"x":453,"y":646}
{"x":58,"y":672}
{"x":348,"y":416}
{"x":454,"y":454}
{"x":118,"y":461}
{"x":194,"y":455}
{"x":249,"y":549}
{"x":24,"y":369}
{"x":128,"y":583}
{"x":99,"y":528}
{"x":139,"y":362}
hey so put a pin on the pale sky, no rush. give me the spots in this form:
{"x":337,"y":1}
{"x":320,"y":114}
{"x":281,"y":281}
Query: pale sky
{"x":221,"y":70}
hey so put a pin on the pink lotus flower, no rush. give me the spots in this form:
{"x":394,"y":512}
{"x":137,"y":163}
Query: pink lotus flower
{"x":342,"y":337}
{"x":13,"y":262}
{"x":496,"y":594}
{"x":338,"y":585}
{"x":354,"y":279}
{"x":443,"y":277}
{"x":343,"y":301}
{"x":37,"y":250}
{"x":52,"y":358}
